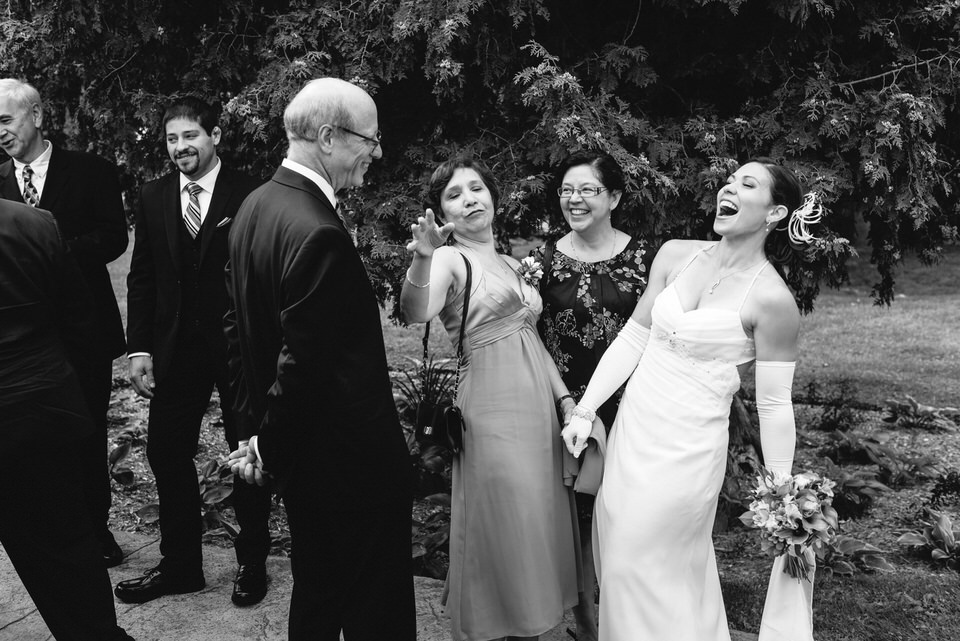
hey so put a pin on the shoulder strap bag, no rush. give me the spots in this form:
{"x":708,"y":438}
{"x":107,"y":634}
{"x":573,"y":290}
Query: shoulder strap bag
{"x":440,"y":421}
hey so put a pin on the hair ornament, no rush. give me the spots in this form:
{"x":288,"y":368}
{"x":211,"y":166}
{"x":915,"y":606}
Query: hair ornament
{"x":807,"y":214}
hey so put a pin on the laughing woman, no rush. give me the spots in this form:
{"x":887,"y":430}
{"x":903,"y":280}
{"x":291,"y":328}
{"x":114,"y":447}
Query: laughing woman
{"x":592,"y":278}
{"x":710,"y":311}
{"x":513,"y":547}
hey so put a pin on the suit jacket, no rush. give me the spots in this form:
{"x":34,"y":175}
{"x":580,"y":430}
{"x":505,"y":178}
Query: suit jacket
{"x":83,"y":193}
{"x":46,"y":313}
{"x":306,"y":350}
{"x":155,"y":283}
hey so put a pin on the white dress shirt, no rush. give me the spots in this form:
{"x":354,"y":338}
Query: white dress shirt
{"x":207,"y":182}
{"x":40,"y":165}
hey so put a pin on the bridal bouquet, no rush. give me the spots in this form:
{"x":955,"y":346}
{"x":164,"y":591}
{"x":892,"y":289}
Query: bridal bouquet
{"x":795,"y":517}
{"x":530,"y":270}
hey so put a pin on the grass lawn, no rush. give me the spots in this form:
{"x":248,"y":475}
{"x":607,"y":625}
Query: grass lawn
{"x":911,"y":347}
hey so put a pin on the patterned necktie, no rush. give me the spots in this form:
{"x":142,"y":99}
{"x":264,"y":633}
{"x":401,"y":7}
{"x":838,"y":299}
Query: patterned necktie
{"x":30,"y":195}
{"x":191,"y":217}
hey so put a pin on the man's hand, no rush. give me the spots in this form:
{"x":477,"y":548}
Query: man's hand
{"x":141,"y":375}
{"x":245,"y":464}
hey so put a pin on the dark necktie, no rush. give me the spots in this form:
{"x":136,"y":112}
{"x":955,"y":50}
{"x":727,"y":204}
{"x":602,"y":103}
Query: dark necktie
{"x":30,"y":195}
{"x":191,"y":217}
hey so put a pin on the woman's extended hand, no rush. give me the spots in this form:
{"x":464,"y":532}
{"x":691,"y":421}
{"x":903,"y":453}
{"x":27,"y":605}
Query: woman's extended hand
{"x":427,"y":236}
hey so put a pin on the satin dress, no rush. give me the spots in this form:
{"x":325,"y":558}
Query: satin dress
{"x":513,"y":536}
{"x":666,"y":458}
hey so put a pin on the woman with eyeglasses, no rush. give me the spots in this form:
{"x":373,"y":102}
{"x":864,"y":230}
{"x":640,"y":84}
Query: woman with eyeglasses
{"x":513,"y":550}
{"x":592,"y":279}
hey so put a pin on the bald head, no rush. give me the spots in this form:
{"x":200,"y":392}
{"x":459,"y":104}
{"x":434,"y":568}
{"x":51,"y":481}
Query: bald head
{"x":329,"y":101}
{"x":332,"y":128}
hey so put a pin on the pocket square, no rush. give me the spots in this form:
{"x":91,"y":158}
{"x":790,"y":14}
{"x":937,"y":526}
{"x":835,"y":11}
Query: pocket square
{"x":224,"y":222}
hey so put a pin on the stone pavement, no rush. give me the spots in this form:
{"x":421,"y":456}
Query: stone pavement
{"x":209,"y":615}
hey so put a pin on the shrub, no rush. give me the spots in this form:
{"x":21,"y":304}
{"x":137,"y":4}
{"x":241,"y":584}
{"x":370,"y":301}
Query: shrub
{"x":430,"y":381}
{"x":431,"y":539}
{"x":895,"y":468}
{"x":838,"y":405}
{"x":216,"y":486}
{"x":910,"y":413}
{"x":855,"y":492}
{"x":946,"y":488}
{"x":126,"y":440}
{"x":937,"y":540}
{"x":845,"y":555}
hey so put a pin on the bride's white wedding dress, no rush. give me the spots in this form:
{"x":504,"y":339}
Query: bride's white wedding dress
{"x":665,"y":465}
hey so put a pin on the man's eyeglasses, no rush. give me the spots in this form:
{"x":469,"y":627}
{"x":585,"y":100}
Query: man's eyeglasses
{"x":585,"y":192}
{"x":373,"y":141}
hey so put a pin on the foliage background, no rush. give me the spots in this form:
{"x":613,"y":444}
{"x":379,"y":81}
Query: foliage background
{"x":859,"y":97}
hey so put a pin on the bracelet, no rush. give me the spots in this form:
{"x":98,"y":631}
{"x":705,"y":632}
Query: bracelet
{"x":565,"y":397}
{"x":582,"y":412}
{"x":426,"y":284}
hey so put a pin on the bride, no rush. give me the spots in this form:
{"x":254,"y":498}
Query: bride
{"x":710,"y":310}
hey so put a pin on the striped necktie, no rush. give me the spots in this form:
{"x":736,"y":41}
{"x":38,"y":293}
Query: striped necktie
{"x":30,"y":195}
{"x":191,"y":217}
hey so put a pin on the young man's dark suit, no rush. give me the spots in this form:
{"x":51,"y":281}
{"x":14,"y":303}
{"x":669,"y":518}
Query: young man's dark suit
{"x":46,"y":320}
{"x":176,"y":299}
{"x":83,"y":193}
{"x":310,"y":372}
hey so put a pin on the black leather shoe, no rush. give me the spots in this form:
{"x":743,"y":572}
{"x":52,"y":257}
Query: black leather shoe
{"x":112,"y":554}
{"x":250,"y":586}
{"x":156,"y":583}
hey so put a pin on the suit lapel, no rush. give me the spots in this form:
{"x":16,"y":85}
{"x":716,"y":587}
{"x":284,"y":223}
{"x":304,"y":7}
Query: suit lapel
{"x":172,"y":216}
{"x":290,"y":178}
{"x":53,"y":184}
{"x":9,"y":189}
{"x":218,"y":204}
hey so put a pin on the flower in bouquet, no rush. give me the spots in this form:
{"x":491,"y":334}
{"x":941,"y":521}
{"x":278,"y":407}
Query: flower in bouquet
{"x":530,"y":270}
{"x":795,"y":517}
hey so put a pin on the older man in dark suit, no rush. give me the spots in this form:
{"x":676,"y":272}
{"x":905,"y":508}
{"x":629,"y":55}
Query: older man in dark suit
{"x":45,"y":325}
{"x":176,"y":300}
{"x":83,"y":193}
{"x":310,"y":372}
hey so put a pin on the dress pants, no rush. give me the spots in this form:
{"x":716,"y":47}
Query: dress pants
{"x":176,"y":413}
{"x":54,"y":550}
{"x":97,"y":384}
{"x":352,"y":571}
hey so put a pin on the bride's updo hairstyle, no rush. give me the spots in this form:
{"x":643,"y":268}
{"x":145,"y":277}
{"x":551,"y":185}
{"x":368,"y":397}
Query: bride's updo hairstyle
{"x":444,"y":172}
{"x":803,"y":250}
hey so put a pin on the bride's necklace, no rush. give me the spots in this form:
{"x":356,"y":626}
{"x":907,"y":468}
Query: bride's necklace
{"x":716,"y":283}
{"x":609,"y":255}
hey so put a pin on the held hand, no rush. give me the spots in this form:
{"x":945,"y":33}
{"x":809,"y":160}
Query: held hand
{"x":141,"y":375}
{"x":576,"y":433}
{"x":427,"y":236}
{"x":245,"y":464}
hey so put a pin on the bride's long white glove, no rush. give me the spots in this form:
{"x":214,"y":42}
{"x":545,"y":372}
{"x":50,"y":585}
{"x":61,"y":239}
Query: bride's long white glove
{"x":788,"y":607}
{"x":778,"y":428}
{"x":614,"y":368}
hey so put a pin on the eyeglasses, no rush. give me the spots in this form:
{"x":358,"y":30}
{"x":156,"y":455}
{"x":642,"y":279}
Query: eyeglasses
{"x":585,"y":192}
{"x":375,"y":141}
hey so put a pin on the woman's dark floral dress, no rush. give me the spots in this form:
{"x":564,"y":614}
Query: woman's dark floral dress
{"x":584,"y":306}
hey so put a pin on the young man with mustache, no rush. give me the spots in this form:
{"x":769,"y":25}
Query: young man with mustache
{"x":177,"y":349}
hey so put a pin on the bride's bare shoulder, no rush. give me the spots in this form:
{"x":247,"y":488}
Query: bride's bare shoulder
{"x":678,"y":250}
